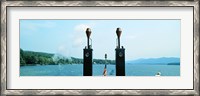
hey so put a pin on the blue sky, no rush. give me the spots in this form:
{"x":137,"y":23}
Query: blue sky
{"x":140,"y":38}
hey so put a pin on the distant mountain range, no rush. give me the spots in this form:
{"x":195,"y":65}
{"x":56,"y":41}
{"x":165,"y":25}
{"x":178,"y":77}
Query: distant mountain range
{"x":162,"y":60}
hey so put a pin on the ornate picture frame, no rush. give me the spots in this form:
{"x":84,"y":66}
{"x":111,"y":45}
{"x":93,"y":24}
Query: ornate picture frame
{"x":6,"y":4}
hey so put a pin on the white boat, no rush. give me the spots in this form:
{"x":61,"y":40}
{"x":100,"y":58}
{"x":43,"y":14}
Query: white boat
{"x":158,"y":74}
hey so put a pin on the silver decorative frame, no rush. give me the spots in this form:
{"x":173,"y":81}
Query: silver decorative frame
{"x":5,"y":4}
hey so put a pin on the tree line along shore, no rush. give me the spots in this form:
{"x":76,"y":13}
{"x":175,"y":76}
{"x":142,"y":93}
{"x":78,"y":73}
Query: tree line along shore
{"x":41,"y":58}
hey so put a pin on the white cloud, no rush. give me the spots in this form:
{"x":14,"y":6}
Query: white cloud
{"x":36,"y":26}
{"x":79,"y":38}
{"x":130,"y":37}
{"x":78,"y":42}
{"x":64,"y":51}
{"x":81,"y":27}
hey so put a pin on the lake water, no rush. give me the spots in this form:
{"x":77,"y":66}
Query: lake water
{"x":77,"y":70}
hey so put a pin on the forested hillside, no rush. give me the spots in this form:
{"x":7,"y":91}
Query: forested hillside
{"x":34,"y":58}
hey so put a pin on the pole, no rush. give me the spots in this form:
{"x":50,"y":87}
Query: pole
{"x":105,"y":70}
{"x":88,"y":43}
{"x":118,"y":42}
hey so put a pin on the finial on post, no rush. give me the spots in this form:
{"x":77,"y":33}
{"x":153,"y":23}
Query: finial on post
{"x":105,"y":56}
{"x":88,"y":33}
{"x":118,"y":32}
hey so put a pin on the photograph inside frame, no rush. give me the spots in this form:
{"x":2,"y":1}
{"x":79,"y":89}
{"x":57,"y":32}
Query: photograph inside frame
{"x":92,"y":47}
{"x":107,"y":47}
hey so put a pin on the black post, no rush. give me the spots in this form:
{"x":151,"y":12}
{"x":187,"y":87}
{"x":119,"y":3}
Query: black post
{"x":87,"y":56}
{"x":119,"y":56}
{"x":120,"y":62}
{"x":87,"y":67}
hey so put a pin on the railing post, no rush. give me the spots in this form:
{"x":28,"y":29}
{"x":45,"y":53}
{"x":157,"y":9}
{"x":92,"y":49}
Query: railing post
{"x":87,"y":56}
{"x":119,"y":56}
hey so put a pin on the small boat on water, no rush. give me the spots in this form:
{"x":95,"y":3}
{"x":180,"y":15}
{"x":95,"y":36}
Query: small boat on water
{"x":158,"y":74}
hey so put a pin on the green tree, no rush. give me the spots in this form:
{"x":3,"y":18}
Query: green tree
{"x":22,"y":61}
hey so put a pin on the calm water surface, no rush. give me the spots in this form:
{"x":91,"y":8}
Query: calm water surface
{"x":77,"y":70}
